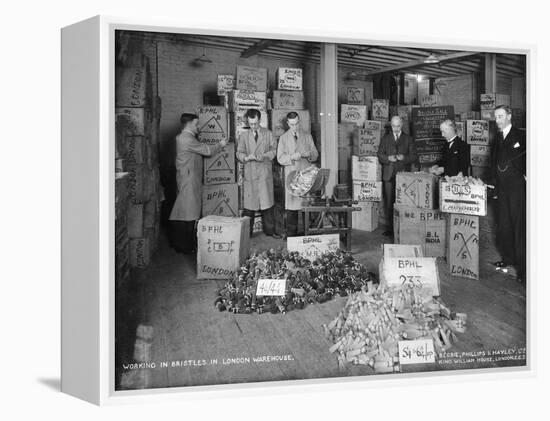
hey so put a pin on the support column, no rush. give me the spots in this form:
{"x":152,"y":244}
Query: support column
{"x":329,"y":112}
{"x":490,"y":72}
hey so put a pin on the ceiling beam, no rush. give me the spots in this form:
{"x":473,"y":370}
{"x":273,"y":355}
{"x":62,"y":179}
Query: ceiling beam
{"x":259,"y":46}
{"x":416,"y":63}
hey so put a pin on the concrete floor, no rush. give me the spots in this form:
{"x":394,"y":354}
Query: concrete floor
{"x":194,"y":344}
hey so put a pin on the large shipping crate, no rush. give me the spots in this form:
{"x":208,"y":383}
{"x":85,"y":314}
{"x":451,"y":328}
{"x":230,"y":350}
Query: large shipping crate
{"x":489,"y":101}
{"x":252,"y":78}
{"x":136,"y":120}
{"x":135,"y":220}
{"x":477,"y":132}
{"x":462,"y":196}
{"x":140,"y":252}
{"x":367,"y":191}
{"x":380,"y":109}
{"x":278,"y":121}
{"x":353,"y":114}
{"x":226,"y":83}
{"x":480,"y":156}
{"x":367,"y":140}
{"x":425,"y":227}
{"x":239,"y":98}
{"x":463,"y":249}
{"x":289,"y":79}
{"x":356,"y":96}
{"x":366,"y":168}
{"x":367,"y":218}
{"x":221,"y":200}
{"x":220,"y":167}
{"x":288,"y":100}
{"x":222,"y":246}
{"x":212,"y":124}
{"x":416,"y":189}
{"x":131,"y":87}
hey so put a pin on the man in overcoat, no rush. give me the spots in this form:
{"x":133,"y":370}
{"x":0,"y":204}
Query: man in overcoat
{"x":256,"y":149}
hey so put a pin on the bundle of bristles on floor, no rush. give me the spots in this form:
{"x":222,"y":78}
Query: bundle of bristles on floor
{"x":374,"y":320}
{"x":332,"y":274}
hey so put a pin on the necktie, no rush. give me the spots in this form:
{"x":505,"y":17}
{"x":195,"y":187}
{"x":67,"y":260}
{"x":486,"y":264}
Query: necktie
{"x":255,"y":135}
{"x":295,"y":136}
{"x":396,"y":137}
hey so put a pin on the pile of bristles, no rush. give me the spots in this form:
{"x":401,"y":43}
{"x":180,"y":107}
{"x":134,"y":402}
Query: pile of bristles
{"x":333,"y":274}
{"x":374,"y":320}
{"x":461,"y":179}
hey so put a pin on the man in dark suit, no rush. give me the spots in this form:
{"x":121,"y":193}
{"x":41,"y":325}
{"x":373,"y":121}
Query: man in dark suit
{"x":396,"y":153}
{"x":456,"y":155}
{"x":509,"y":169}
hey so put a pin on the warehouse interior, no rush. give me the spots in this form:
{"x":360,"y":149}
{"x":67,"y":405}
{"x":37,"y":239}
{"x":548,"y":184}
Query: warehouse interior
{"x":167,"y":327}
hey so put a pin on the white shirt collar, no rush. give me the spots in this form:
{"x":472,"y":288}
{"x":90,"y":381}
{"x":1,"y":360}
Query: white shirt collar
{"x":396,"y":135}
{"x":506,"y":130}
{"x":452,"y":140}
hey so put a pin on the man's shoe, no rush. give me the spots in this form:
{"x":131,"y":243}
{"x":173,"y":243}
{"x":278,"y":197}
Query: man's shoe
{"x":387,"y":233}
{"x":500,"y":265}
{"x":510,"y":271}
{"x":277,"y":236}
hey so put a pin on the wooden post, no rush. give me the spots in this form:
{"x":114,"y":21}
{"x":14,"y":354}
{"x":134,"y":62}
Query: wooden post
{"x":329,"y":113}
{"x":490,"y":72}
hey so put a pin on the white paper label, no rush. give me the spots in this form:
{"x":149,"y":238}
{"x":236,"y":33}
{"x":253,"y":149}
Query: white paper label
{"x":271,"y":287}
{"x":416,"y":352}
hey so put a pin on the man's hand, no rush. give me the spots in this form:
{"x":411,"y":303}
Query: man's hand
{"x":250,"y":157}
{"x":305,"y":155}
{"x":223,"y":142}
{"x":392,"y":158}
{"x":296,"y":156}
{"x":400,"y":157}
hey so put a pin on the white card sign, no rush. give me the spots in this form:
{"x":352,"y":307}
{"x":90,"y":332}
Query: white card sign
{"x":313,"y":246}
{"x":271,"y":287}
{"x":416,"y":352}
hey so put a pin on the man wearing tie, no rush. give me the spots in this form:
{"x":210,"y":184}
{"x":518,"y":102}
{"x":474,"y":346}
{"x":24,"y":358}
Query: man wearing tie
{"x":256,"y":149}
{"x":509,"y":170}
{"x":396,"y":153}
{"x":456,"y":156}
{"x":296,"y":151}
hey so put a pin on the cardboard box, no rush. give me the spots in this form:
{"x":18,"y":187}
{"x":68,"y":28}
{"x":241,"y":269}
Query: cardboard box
{"x":489,"y":101}
{"x":220,"y":168}
{"x":417,"y":273}
{"x":480,"y":156}
{"x":356,"y":96}
{"x":346,"y":134}
{"x":140,"y":253}
{"x":238,"y":122}
{"x":278,"y":121}
{"x":380,"y":109}
{"x":212,"y":124}
{"x":239,"y":98}
{"x":220,"y":200}
{"x":367,"y":191}
{"x":367,"y":218}
{"x":416,"y":189}
{"x":425,"y":227}
{"x":289,"y":79}
{"x":135,"y":220}
{"x":131,"y":87}
{"x":313,"y":246}
{"x":222,"y":246}
{"x":367,"y":141}
{"x":252,"y":78}
{"x":135,"y":146}
{"x":463,"y":197}
{"x":288,"y":100}
{"x":353,"y":114}
{"x":226,"y":83}
{"x":477,"y":132}
{"x":366,"y":168}
{"x":463,"y":250}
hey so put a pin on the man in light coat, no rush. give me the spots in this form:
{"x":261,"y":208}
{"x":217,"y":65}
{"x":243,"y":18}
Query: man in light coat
{"x":189,"y":166}
{"x":256,"y":149}
{"x":296,"y":151}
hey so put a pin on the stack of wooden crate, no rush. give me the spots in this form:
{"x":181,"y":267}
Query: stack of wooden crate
{"x":137,"y":138}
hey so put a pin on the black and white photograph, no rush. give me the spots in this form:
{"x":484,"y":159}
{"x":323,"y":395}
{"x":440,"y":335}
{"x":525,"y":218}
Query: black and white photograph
{"x":289,"y":209}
